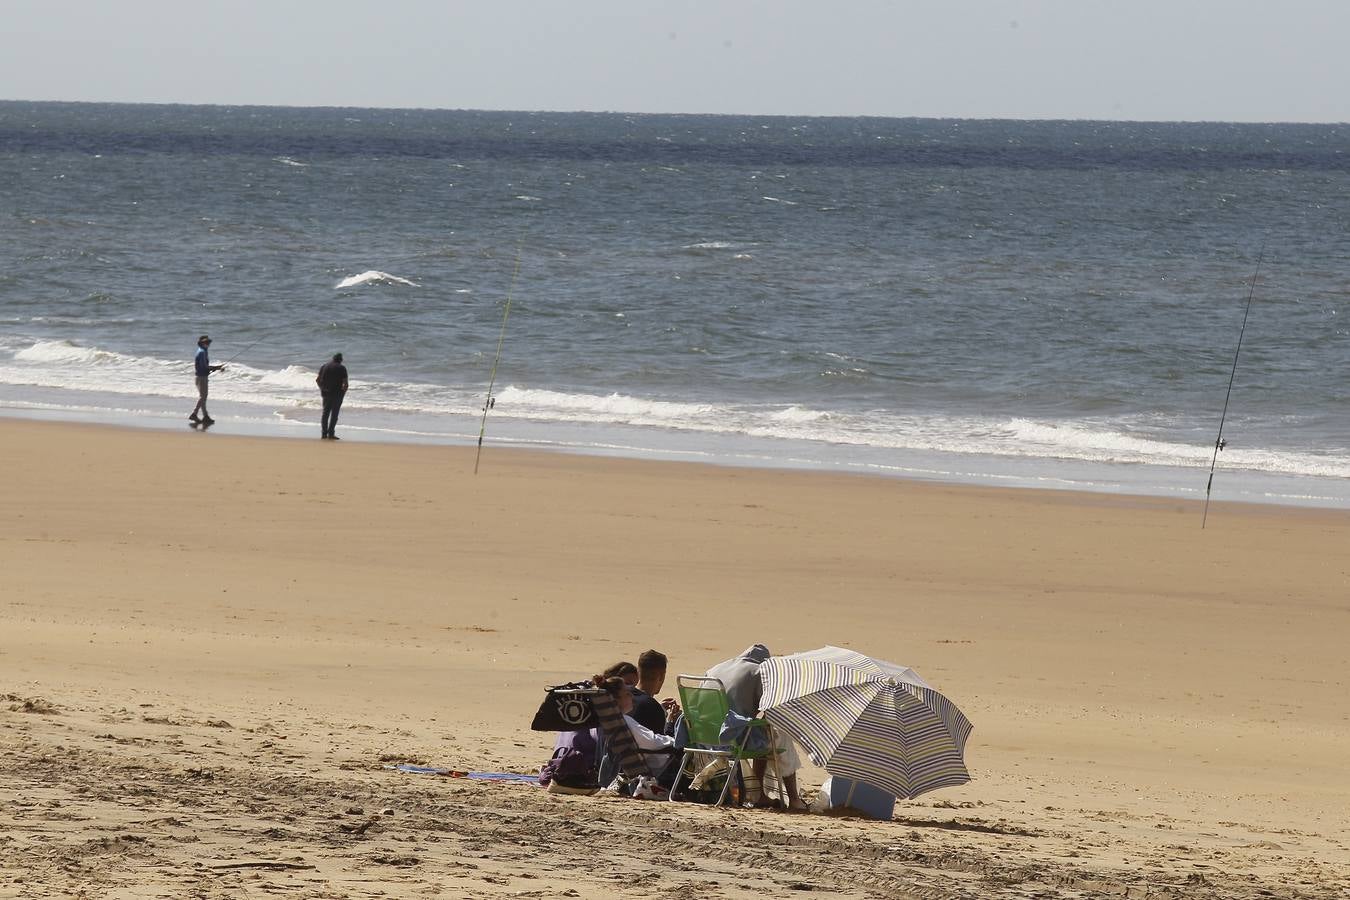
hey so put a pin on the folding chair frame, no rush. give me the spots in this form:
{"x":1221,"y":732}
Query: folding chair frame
{"x":733,"y":753}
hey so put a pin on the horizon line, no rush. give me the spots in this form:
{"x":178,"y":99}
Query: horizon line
{"x":620,"y":112}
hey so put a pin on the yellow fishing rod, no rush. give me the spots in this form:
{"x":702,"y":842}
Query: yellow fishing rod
{"x":492,"y":378}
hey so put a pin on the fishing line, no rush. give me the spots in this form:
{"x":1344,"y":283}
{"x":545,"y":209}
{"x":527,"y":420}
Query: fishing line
{"x":492,"y":378}
{"x":1219,"y":442}
{"x":285,"y":326}
{"x":242,"y":352}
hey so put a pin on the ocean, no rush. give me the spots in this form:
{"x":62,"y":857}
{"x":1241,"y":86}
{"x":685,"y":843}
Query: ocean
{"x":1019,"y":303}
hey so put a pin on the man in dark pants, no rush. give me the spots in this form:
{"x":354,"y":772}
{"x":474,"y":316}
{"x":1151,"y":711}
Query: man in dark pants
{"x":332,"y":382}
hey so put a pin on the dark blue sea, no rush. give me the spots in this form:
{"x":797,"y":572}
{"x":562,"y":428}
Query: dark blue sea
{"x":1052,"y":304}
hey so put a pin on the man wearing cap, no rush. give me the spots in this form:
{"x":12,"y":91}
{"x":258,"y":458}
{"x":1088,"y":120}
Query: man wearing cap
{"x":202,"y":364}
{"x":332,"y":382}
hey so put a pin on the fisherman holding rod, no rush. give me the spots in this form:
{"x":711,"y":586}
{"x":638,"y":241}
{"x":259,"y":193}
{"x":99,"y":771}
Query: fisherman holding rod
{"x":203,"y":367}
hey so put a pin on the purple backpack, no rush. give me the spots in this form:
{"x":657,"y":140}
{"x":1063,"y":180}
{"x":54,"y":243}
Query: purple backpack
{"x":574,"y":761}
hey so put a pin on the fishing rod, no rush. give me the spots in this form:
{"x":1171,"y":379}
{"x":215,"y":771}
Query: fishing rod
{"x":283,"y":327}
{"x":1219,"y":442}
{"x":492,"y":378}
{"x":242,"y":352}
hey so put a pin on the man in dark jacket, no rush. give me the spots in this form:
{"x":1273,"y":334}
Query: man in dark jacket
{"x":332,"y":382}
{"x":647,"y":708}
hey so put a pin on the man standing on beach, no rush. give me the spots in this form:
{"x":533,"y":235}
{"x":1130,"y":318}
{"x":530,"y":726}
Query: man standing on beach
{"x":332,"y":382}
{"x":203,"y":367}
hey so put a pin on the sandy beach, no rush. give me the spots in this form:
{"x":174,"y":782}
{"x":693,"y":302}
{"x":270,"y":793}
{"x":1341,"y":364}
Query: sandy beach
{"x":212,"y":646}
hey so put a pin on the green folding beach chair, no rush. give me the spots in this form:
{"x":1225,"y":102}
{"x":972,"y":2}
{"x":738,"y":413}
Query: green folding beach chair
{"x":705,"y":705}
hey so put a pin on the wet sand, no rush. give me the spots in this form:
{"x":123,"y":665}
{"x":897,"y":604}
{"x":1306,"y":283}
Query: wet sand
{"x":211,"y":646}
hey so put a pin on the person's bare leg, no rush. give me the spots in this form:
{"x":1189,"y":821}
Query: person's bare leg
{"x":757,"y":769}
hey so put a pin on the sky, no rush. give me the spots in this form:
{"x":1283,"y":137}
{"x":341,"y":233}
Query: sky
{"x":1168,"y":60}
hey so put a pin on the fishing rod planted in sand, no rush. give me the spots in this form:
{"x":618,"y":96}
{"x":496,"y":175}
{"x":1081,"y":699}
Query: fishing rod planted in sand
{"x":1219,"y":442}
{"x":491,"y":401}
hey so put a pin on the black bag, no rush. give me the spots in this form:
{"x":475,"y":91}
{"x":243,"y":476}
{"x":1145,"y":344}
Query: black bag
{"x":566,"y":707}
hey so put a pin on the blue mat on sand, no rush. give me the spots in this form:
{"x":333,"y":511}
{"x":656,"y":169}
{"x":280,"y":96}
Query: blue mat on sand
{"x":477,"y":776}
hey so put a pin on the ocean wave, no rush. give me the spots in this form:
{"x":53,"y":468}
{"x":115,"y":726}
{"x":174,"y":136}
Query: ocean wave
{"x":612,"y":408}
{"x":70,"y":366}
{"x":77,"y":320}
{"x":295,"y":377}
{"x":373,"y":276}
{"x":65,"y":365}
{"x":798,"y":414}
{"x":1003,"y":437}
{"x":65,"y":352}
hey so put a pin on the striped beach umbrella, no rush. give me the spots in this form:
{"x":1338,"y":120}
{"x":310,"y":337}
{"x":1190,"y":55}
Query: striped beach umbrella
{"x":868,"y":720}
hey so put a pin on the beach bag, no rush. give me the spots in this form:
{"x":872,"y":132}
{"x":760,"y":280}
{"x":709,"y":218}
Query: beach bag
{"x":570,"y":768}
{"x":566,"y":707}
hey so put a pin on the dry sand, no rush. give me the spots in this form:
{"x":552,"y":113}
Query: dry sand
{"x":210,"y":646}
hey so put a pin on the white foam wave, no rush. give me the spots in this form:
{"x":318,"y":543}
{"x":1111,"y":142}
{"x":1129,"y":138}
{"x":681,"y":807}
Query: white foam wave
{"x":37,"y":367}
{"x":797,"y":414}
{"x":64,"y":352}
{"x":612,"y":408}
{"x":287,"y":161}
{"x":1099,"y":442}
{"x":64,"y":364}
{"x":373,"y":276}
{"x":295,"y":377}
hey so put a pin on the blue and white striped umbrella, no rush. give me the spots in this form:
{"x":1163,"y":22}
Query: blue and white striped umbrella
{"x":868,"y":720}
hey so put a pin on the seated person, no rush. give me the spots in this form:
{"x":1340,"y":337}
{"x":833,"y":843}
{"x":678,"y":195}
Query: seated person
{"x":647,"y":709}
{"x":629,"y":673}
{"x":657,"y":749}
{"x":740,"y":678}
{"x":625,"y":670}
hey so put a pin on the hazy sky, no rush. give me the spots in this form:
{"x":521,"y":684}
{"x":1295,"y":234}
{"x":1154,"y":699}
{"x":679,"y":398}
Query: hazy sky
{"x":1239,"y":60}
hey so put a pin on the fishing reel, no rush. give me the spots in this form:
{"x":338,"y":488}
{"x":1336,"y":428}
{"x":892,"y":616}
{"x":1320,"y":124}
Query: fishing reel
{"x":1220,"y":444}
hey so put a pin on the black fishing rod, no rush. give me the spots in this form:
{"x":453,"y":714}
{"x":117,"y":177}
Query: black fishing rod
{"x":1219,"y":442}
{"x":242,"y":352}
{"x":283,"y":327}
{"x":492,"y":378}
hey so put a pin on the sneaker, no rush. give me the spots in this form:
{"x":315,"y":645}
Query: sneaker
{"x":207,"y":420}
{"x":334,"y":437}
{"x":193,"y":418}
